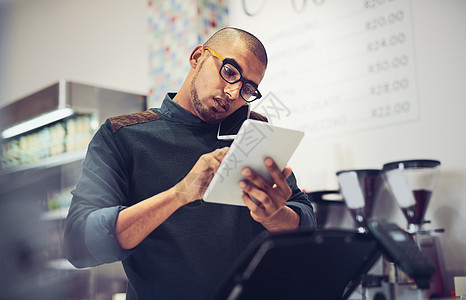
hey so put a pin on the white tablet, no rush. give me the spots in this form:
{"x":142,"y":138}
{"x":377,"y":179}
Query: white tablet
{"x":255,"y":141}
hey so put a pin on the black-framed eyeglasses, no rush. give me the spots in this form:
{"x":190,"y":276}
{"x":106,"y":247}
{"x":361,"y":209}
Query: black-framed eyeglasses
{"x":230,"y":73}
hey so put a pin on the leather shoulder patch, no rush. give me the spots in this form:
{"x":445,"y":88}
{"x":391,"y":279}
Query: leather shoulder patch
{"x":257,"y":116}
{"x":132,"y":119}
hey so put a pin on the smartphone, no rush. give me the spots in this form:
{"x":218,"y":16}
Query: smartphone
{"x":228,"y":128}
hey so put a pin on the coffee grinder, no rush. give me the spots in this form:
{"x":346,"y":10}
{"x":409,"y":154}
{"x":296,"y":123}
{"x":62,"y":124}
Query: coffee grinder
{"x":326,"y":204}
{"x":360,"y":189}
{"x":411,"y":183}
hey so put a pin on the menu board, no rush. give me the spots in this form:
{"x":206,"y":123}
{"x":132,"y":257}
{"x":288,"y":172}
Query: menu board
{"x":334,"y":66}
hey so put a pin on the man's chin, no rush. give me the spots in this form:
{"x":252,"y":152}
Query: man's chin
{"x":211,"y":117}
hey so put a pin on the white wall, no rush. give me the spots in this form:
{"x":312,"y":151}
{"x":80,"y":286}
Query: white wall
{"x":99,"y":42}
{"x":434,"y":128}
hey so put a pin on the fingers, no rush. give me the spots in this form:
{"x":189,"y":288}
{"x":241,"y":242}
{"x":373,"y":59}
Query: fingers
{"x":261,"y":206}
{"x":253,"y":179}
{"x":287,"y":172}
{"x":257,"y":197}
{"x":195,"y":183}
{"x":219,"y":154}
{"x":278,"y":177}
{"x":211,"y":161}
{"x":264,"y":198}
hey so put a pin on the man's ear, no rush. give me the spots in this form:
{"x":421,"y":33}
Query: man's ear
{"x":196,"y":56}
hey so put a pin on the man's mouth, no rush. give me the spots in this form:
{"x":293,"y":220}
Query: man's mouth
{"x":221,"y":105}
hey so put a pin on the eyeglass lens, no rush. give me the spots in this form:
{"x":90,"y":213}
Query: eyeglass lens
{"x":232,"y":75}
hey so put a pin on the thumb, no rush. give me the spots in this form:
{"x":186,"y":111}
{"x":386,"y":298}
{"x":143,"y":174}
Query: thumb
{"x":286,"y":172}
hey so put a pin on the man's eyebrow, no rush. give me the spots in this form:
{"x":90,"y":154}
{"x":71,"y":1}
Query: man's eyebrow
{"x":236,"y":65}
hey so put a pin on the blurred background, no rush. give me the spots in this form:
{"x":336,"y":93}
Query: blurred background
{"x":369,"y":81}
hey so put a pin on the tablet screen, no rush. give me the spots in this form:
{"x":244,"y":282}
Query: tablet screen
{"x":255,"y":141}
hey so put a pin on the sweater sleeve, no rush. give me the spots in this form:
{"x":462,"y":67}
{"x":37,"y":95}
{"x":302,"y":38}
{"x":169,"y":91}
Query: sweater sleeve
{"x":301,"y":204}
{"x":99,"y":196}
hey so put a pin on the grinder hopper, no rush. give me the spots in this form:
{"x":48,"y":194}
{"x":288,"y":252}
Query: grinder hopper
{"x":411,"y":183}
{"x":360,"y":190}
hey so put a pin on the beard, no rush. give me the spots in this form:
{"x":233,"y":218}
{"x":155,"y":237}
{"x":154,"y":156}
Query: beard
{"x":202,"y":111}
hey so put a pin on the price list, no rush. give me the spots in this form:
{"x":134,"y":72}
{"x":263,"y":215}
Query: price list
{"x":341,"y":67}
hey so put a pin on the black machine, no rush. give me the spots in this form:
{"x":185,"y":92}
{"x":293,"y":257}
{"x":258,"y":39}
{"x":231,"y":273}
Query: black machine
{"x":401,"y":248}
{"x":320,"y":264}
{"x":301,"y":265}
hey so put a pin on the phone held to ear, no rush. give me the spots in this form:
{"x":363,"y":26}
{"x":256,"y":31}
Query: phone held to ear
{"x":228,"y":128}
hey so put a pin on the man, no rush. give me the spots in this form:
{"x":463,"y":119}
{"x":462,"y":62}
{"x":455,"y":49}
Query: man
{"x":138,"y":198}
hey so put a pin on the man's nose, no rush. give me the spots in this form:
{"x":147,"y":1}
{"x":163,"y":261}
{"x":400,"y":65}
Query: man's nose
{"x":233,"y":90}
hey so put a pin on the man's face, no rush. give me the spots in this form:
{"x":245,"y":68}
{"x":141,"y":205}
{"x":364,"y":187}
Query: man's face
{"x":214,"y":99}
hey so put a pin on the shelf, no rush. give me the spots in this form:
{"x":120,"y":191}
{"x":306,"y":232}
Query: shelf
{"x":59,"y":214}
{"x":28,"y":190}
{"x":49,"y":162}
{"x":62,"y":264}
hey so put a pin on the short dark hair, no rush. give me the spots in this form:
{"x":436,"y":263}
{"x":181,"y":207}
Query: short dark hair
{"x":225,"y":35}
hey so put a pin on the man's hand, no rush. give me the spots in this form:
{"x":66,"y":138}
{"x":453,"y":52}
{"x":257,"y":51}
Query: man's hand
{"x":266,"y":200}
{"x":194,"y":185}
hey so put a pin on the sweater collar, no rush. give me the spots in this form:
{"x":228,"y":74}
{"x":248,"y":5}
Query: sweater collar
{"x":173,"y":110}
